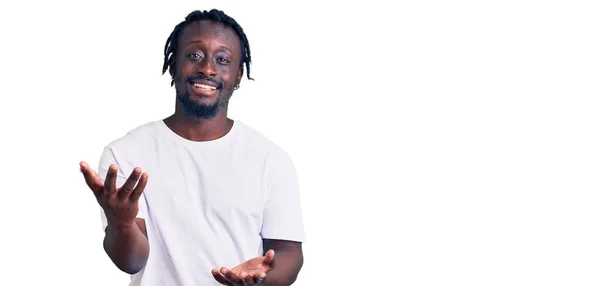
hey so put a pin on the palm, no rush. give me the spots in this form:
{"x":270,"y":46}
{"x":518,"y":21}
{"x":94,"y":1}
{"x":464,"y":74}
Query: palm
{"x":247,"y":273}
{"x":253,"y":266}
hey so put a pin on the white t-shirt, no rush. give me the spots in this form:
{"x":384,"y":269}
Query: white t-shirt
{"x":207,"y":204}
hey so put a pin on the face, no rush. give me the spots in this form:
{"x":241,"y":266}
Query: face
{"x":207,"y":68}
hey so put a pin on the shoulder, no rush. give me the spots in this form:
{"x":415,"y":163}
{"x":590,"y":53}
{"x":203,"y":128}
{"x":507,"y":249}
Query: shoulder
{"x":257,"y":143}
{"x":276,"y":163}
{"x":125,"y":150}
{"x":135,"y":136}
{"x":131,"y":144}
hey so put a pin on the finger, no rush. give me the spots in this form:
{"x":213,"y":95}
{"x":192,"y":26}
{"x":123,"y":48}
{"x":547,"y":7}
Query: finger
{"x":92,"y":179}
{"x":259,"y":278}
{"x":247,"y":279}
{"x":269,"y":257}
{"x":220,"y":277}
{"x":111,"y":179}
{"x":137,"y":191}
{"x":129,"y":184}
{"x":231,"y":277}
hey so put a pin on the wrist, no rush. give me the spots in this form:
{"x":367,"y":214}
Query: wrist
{"x":121,"y":225}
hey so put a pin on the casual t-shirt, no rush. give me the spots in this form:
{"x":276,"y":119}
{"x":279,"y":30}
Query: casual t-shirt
{"x":206,"y":204}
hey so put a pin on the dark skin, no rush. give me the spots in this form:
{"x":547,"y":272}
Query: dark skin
{"x":125,"y":241}
{"x":211,"y":50}
{"x":206,"y":71}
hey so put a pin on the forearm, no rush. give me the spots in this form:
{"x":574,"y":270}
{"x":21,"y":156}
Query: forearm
{"x":287,"y":265}
{"x":127,"y":247}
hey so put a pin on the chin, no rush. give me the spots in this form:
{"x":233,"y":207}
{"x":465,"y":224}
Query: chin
{"x":200,"y":108}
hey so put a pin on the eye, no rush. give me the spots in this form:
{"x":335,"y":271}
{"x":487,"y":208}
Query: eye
{"x":223,"y":60}
{"x":194,"y":56}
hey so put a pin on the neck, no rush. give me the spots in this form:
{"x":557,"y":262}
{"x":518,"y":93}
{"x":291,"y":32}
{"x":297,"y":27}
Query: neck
{"x":195,"y":129}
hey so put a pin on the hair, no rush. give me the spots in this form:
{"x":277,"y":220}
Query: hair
{"x":171,"y":45}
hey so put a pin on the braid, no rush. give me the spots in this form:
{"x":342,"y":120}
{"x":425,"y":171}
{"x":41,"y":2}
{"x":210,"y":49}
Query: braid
{"x":214,"y":15}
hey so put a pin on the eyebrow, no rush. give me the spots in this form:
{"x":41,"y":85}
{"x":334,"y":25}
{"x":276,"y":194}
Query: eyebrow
{"x":199,"y":41}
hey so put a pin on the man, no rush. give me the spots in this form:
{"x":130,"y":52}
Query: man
{"x":186,"y":197}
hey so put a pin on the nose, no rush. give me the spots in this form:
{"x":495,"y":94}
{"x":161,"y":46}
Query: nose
{"x":206,"y":67}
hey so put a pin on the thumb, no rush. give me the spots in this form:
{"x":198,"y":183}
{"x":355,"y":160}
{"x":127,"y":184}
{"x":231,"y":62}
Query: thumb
{"x":91,"y":177}
{"x":269,"y":257}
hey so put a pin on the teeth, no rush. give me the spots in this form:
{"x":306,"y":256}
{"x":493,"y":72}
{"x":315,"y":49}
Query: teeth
{"x":204,"y":86}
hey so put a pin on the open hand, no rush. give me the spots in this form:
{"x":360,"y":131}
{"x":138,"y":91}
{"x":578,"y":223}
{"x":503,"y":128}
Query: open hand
{"x":120,"y":204}
{"x":251,"y":272}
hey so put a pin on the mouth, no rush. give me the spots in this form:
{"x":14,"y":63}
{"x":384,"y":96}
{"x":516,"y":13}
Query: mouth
{"x":204,"y":87}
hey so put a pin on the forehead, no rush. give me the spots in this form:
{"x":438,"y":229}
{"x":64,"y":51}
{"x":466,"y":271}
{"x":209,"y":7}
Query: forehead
{"x":210,"y":33}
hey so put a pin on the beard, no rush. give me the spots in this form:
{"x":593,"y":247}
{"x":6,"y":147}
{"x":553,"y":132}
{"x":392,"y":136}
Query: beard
{"x":199,"y":110}
{"x":196,"y":109}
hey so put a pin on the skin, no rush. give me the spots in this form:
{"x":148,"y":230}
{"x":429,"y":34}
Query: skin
{"x":208,"y":51}
{"x":125,"y":241}
{"x":211,"y":50}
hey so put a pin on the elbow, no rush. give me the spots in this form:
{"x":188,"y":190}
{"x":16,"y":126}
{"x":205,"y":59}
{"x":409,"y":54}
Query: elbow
{"x":131,"y":267}
{"x":130,"y":263}
{"x":299,"y":267}
{"x":299,"y":263}
{"x":292,"y":280}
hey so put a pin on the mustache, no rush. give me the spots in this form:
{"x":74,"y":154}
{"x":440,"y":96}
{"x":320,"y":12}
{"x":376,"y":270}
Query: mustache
{"x":205,"y":78}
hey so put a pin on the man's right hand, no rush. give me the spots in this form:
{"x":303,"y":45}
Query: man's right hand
{"x":120,"y":204}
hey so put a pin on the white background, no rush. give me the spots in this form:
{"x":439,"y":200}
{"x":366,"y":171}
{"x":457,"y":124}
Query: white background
{"x":437,"y":142}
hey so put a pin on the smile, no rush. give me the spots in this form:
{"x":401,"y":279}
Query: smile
{"x":204,"y":86}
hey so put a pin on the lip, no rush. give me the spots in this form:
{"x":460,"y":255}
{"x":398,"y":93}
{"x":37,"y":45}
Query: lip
{"x":204,"y":82}
{"x":203,"y":91}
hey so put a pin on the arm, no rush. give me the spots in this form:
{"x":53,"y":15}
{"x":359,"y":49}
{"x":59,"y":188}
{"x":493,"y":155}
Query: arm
{"x":282,"y":232}
{"x":127,"y":245}
{"x":125,"y":242}
{"x":283,"y":227}
{"x":287,"y":262}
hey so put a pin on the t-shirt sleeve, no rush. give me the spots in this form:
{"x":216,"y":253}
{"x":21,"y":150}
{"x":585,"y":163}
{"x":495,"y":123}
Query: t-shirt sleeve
{"x":282,"y":217}
{"x":106,"y":159}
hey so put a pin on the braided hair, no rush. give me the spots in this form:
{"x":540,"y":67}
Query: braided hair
{"x":214,"y":15}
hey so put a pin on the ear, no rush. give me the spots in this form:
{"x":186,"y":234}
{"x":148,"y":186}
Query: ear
{"x":172,"y":69}
{"x":240,"y":74}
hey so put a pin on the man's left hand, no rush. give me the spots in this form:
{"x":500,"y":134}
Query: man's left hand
{"x":251,"y":272}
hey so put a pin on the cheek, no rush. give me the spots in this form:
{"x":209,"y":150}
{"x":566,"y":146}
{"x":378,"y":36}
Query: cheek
{"x":183,"y":67}
{"x":231,"y":78}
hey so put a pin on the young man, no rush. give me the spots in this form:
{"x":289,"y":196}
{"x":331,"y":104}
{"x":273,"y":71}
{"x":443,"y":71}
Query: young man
{"x":186,"y":197}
